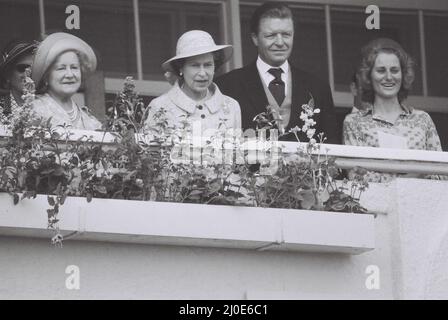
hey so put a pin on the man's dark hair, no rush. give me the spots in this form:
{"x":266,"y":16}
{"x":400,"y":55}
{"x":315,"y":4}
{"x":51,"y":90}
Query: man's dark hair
{"x":269,"y":9}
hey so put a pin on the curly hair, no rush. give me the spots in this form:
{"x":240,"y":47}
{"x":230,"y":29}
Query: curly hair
{"x":370,"y":53}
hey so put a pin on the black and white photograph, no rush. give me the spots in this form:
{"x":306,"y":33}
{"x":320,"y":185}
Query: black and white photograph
{"x":234,"y":152}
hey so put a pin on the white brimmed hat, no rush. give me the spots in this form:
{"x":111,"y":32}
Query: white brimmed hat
{"x":55,"y":44}
{"x":196,"y":42}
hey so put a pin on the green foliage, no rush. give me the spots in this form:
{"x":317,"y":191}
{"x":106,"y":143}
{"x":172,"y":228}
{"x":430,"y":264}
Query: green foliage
{"x":306,"y":179}
{"x":45,"y":160}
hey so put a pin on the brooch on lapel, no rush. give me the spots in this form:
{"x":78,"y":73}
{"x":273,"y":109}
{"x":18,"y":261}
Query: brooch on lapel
{"x":225,"y":108}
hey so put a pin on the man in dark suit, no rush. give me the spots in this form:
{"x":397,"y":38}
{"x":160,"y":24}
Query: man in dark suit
{"x":272,"y":80}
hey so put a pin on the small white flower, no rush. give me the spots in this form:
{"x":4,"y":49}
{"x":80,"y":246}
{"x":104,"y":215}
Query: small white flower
{"x":139,"y":182}
{"x":310,"y":133}
{"x":303,"y":116}
{"x":65,"y":161}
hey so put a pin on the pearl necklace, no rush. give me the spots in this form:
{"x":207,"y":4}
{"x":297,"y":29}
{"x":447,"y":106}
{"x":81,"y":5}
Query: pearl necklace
{"x":73,"y":113}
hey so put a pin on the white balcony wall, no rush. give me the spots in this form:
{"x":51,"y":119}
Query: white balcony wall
{"x":411,"y":237}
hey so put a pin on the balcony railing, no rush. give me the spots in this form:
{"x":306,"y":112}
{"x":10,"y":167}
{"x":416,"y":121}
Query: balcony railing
{"x":347,"y":157}
{"x":407,"y":239}
{"x":241,"y":227}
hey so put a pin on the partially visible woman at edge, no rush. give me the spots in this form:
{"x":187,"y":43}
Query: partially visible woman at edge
{"x":61,"y":64}
{"x":16,"y":58}
{"x":194,"y":94}
{"x":386,"y":74}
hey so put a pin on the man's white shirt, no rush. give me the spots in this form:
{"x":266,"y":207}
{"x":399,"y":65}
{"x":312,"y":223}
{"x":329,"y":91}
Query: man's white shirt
{"x":263,"y":69}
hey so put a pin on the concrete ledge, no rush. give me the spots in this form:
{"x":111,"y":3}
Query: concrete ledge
{"x":347,"y":157}
{"x":200,"y":225}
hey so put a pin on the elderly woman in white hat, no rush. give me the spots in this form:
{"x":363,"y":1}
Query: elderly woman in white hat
{"x":60,"y":64}
{"x":194,"y":95}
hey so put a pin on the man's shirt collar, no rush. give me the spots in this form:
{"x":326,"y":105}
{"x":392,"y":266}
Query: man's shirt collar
{"x":263,"y":67}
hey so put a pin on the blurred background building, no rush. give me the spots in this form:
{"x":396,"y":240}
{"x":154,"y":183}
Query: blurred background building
{"x":133,"y":37}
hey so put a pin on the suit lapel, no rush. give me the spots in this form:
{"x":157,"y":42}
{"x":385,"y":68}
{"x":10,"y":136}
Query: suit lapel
{"x":256,"y":95}
{"x":300,"y":95}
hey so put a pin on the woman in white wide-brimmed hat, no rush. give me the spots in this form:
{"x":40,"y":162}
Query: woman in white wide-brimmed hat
{"x":60,"y":66}
{"x":194,"y":96}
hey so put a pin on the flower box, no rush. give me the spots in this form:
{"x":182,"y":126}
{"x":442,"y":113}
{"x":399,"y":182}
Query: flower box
{"x":181,"y":224}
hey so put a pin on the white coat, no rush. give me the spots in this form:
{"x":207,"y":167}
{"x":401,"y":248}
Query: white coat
{"x":209,"y":114}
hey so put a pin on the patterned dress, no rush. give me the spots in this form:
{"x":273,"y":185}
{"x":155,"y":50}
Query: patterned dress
{"x":45,"y":107}
{"x":414,"y":127}
{"x":8,"y":103}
